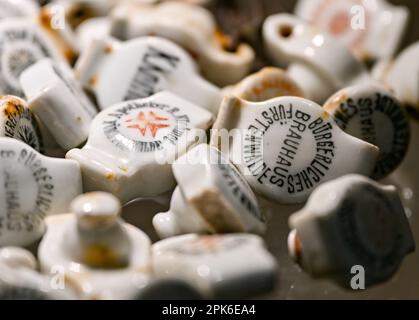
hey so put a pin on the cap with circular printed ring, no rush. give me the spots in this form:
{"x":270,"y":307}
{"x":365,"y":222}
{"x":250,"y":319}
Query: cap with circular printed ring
{"x":372,"y":113}
{"x":32,"y":187}
{"x":143,"y":67}
{"x":213,"y":197}
{"x":347,"y":21}
{"x":285,"y":147}
{"x":59,"y":101}
{"x":229,"y":266}
{"x":347,"y":222}
{"x":22,"y":43}
{"x":17,"y":121}
{"x":132,"y":145}
{"x":113,"y":257}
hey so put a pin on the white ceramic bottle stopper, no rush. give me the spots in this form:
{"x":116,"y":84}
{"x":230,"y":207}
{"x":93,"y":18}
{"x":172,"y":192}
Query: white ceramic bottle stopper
{"x":52,"y":21}
{"x":212,"y":197}
{"x":143,"y":67}
{"x":18,"y":8}
{"x":373,"y":30}
{"x":75,"y":12}
{"x":22,"y":43}
{"x":59,"y":101}
{"x":132,"y":145}
{"x":287,"y":146}
{"x":351,"y":221}
{"x":193,"y":28}
{"x":263,"y":85}
{"x":18,"y":122}
{"x":373,"y":114}
{"x":402,"y":75}
{"x":106,"y":257}
{"x":230,"y":266}
{"x":19,"y":278}
{"x":168,"y":289}
{"x":319,"y":63}
{"x":32,"y":187}
{"x":92,"y":29}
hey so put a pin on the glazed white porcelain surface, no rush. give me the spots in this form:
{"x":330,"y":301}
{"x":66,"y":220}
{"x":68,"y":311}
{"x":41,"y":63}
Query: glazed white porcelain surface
{"x":373,"y":114}
{"x":23,"y":43}
{"x":59,"y":101}
{"x":218,"y":266}
{"x":143,"y":66}
{"x":18,"y":8}
{"x":101,"y":255}
{"x":132,"y":145}
{"x":337,"y":229}
{"x":214,"y":197}
{"x":263,"y":85}
{"x":17,"y":121}
{"x":193,"y":28}
{"x":287,"y":146}
{"x":33,"y":187}
{"x":319,"y":63}
{"x":372,"y":29}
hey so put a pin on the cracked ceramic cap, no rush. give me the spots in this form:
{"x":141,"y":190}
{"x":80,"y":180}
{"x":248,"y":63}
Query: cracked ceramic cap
{"x":212,"y":197}
{"x":351,"y":221}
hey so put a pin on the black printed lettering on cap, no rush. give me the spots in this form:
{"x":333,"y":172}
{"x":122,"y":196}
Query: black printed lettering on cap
{"x":18,"y":122}
{"x":372,"y":114}
{"x":287,"y":146}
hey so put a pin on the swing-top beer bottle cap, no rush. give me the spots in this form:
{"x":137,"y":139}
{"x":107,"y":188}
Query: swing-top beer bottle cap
{"x":143,"y":67}
{"x":213,"y":197}
{"x":351,"y":221}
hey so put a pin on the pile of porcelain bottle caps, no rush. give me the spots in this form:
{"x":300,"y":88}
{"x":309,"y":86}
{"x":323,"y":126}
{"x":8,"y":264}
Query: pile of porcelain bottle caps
{"x":105,"y":102}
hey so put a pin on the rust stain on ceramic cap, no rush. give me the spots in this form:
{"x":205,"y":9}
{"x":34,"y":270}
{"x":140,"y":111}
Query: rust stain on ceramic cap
{"x":335,"y":103}
{"x":13,"y":105}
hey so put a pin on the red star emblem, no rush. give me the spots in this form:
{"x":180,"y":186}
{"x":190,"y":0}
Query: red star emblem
{"x":151,"y":121}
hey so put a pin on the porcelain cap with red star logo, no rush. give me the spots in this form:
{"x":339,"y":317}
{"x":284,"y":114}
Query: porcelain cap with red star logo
{"x":351,"y":221}
{"x":143,"y":67}
{"x":132,"y":145}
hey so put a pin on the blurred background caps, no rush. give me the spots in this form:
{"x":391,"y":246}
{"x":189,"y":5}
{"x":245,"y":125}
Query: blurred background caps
{"x":242,"y":20}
